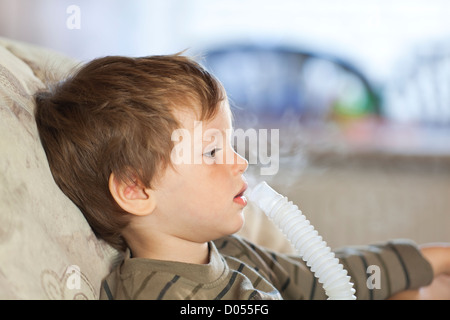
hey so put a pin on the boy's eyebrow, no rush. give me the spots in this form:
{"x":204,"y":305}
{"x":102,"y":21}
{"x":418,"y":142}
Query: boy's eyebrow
{"x":227,"y":133}
{"x":213,"y":131}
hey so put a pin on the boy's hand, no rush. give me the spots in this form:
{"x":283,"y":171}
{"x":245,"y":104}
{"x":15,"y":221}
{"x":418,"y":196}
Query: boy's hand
{"x":439,"y":289}
{"x":439,"y":257}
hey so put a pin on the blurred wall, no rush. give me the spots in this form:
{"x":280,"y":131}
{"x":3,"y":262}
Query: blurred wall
{"x":372,"y":33}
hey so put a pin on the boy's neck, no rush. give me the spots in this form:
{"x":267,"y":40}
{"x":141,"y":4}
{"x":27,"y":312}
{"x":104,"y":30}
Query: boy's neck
{"x":174,"y":249}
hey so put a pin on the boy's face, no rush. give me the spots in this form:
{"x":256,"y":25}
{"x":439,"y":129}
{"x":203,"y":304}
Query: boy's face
{"x":201,"y":200}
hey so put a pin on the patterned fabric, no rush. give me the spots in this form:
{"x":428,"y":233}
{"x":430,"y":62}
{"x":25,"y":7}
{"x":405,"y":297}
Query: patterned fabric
{"x":47,"y":249}
{"x":238,"y":269}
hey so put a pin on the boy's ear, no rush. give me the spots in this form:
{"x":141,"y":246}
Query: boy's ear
{"x":132,"y":196}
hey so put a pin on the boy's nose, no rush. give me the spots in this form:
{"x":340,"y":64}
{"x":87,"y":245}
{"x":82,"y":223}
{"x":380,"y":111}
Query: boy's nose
{"x":240,"y":163}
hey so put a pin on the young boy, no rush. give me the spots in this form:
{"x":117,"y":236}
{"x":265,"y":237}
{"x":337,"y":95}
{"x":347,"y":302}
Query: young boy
{"x":107,"y":131}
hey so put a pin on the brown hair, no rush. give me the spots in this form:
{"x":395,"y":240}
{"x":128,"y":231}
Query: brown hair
{"x":116,"y":115}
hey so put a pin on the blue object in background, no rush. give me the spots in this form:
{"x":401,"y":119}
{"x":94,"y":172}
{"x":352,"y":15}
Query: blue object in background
{"x":272,"y":81}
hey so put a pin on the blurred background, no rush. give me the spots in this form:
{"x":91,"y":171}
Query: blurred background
{"x":360,"y":91}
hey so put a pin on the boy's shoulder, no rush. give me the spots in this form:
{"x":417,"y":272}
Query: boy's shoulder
{"x":235,"y":247}
{"x":231,"y":243}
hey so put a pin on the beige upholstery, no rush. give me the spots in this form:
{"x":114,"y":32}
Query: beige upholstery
{"x":44,"y":239}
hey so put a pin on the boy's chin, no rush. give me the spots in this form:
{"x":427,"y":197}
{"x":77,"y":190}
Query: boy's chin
{"x":231,"y":226}
{"x":239,"y":224}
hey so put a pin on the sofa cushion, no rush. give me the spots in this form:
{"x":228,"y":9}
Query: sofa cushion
{"x":47,"y":249}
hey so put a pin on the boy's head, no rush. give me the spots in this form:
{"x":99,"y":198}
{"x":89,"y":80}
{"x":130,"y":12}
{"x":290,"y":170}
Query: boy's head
{"x":111,"y":122}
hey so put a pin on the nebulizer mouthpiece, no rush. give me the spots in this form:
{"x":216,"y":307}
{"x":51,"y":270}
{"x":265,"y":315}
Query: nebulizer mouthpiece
{"x":306,"y":240}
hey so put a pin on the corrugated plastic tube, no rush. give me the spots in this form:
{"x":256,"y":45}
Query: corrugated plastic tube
{"x":306,"y":240}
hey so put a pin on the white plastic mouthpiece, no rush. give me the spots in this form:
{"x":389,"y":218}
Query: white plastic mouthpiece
{"x":306,"y":241}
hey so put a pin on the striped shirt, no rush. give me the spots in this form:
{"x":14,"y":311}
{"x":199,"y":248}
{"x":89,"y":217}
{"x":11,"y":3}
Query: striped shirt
{"x":238,"y":269}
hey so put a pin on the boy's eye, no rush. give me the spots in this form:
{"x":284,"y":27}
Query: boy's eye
{"x":211,"y":153}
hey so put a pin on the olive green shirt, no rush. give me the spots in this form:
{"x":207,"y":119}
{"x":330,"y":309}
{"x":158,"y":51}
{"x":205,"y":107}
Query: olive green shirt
{"x":238,"y":269}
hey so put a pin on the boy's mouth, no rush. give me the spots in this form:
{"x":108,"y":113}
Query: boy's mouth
{"x":240,"y":198}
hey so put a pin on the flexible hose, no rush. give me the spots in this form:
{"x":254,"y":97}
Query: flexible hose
{"x":309,"y":245}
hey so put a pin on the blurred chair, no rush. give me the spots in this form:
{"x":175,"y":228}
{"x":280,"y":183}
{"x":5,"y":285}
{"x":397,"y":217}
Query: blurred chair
{"x":272,"y":81}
